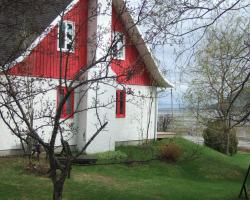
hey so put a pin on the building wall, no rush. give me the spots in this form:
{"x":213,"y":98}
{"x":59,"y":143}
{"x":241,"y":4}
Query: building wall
{"x":44,"y":63}
{"x":134,"y":127}
{"x":45,"y":59}
{"x":133,"y":61}
{"x":44,"y":104}
{"x":102,"y":37}
{"x":7,"y":140}
{"x":138,"y":124}
{"x":80,"y":118}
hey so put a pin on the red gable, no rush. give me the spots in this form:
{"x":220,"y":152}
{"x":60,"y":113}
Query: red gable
{"x":132,"y":62}
{"x":44,"y":60}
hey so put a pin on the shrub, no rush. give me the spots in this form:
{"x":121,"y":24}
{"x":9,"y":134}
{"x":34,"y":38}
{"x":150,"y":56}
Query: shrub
{"x":215,"y":137}
{"x":170,"y":152}
{"x":164,"y":121}
{"x":112,"y":155}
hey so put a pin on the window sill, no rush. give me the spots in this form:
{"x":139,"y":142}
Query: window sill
{"x":67,"y":117}
{"x":120,"y":59}
{"x":65,"y":50}
{"x":120,"y":116}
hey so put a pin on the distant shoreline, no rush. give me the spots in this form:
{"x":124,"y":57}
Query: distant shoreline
{"x":169,"y":110}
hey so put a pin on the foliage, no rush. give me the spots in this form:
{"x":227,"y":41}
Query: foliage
{"x":220,"y":78}
{"x":170,"y":152}
{"x":112,"y":155}
{"x":220,"y":74}
{"x":164,"y":122}
{"x":215,"y":136}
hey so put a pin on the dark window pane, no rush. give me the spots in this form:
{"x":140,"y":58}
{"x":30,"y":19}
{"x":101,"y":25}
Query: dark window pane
{"x":70,"y":27}
{"x":118,"y":48}
{"x":117,"y":97}
{"x":69,"y":46}
{"x":69,"y":106}
{"x":61,"y":95}
{"x":121,"y":102}
{"x":70,"y":36}
{"x":62,"y":35}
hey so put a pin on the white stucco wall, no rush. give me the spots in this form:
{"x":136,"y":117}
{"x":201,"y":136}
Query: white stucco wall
{"x":100,"y":32}
{"x":131,"y":128}
{"x":134,"y":126}
{"x":101,"y":96}
{"x":43,"y":104}
{"x":140,"y":115}
{"x":80,"y":118}
{"x":139,"y":123}
{"x":7,"y":140}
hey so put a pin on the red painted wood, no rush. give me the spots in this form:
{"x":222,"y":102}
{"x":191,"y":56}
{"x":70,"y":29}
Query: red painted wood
{"x":44,"y":60}
{"x":132,"y":70}
{"x":64,"y":114}
{"x":119,"y":112}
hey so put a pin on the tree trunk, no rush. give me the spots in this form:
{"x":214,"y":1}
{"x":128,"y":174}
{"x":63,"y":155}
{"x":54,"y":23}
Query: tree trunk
{"x":227,"y":132}
{"x":228,"y":143}
{"x":58,"y":190}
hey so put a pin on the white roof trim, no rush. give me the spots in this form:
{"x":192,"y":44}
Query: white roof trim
{"x":141,"y":46}
{"x":43,"y":35}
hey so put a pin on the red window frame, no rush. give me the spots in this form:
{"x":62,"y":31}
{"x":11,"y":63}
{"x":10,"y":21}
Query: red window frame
{"x":120,"y":103}
{"x":68,"y":107}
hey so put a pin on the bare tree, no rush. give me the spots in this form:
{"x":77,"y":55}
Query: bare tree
{"x":170,"y":20}
{"x":29,"y":113}
{"x":186,"y":24}
{"x":25,"y":105}
{"x":221,"y":77}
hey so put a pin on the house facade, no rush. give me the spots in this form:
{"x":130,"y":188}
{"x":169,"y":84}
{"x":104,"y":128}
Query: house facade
{"x":89,"y":40}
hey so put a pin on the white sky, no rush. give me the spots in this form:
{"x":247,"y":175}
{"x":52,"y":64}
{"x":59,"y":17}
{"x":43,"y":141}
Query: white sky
{"x":167,"y":56}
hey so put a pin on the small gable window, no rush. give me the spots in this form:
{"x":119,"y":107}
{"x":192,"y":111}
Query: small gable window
{"x":120,"y":103}
{"x":66,"y":36}
{"x":118,"y":50}
{"x":68,"y":107}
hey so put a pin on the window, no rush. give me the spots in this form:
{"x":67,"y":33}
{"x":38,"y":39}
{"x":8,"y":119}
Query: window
{"x":68,"y":107}
{"x":120,"y":103}
{"x":66,"y":34}
{"x":118,"y":50}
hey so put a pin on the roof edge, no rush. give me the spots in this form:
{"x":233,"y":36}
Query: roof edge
{"x":39,"y":38}
{"x":141,"y":46}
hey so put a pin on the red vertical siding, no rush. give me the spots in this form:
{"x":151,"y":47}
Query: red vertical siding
{"x":44,"y":60}
{"x":131,"y":70}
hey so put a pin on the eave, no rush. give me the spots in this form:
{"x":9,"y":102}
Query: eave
{"x":137,"y":39}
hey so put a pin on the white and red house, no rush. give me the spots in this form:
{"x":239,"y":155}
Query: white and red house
{"x":132,"y":116}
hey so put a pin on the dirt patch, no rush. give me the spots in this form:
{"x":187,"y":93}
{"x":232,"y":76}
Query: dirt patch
{"x":244,"y":149}
{"x":102,"y":179}
{"x":38,"y":169}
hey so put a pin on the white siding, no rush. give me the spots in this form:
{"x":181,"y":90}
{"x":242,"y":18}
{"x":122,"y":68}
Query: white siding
{"x":40,"y":104}
{"x":136,"y":126}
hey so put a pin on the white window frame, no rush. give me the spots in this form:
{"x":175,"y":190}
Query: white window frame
{"x":66,"y":41}
{"x":123,"y":49}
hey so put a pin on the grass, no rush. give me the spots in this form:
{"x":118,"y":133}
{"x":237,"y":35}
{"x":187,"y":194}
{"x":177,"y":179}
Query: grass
{"x":200,"y":174}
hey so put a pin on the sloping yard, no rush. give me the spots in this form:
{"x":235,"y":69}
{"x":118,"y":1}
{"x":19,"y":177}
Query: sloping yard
{"x":201,"y":173}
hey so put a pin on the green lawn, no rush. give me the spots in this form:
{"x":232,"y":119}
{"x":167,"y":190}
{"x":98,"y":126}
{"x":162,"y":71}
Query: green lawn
{"x":200,"y":174}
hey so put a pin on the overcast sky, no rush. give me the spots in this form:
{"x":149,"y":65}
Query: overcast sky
{"x":167,"y":56}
